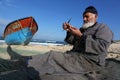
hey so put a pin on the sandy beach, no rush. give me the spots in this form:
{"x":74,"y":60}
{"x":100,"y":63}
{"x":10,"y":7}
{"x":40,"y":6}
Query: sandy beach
{"x":30,"y":49}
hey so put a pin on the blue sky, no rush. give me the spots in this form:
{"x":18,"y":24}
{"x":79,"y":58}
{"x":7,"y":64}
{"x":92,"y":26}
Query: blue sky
{"x":50,"y":14}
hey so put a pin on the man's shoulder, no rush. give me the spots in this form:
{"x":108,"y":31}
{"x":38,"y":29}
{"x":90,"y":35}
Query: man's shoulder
{"x":103,"y":28}
{"x":102,"y":25}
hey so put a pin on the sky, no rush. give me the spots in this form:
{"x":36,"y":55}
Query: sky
{"x":51,"y":14}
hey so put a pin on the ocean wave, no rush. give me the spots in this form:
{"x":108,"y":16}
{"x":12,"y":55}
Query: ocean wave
{"x":41,"y":43}
{"x":37,"y":43}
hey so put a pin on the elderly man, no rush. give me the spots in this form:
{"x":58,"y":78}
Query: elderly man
{"x":90,"y":44}
{"x":92,"y":39}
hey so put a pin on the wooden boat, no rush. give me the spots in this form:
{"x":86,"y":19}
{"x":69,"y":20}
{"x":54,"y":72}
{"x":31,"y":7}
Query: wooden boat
{"x":21,"y":31}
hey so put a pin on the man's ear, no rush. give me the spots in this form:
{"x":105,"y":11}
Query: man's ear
{"x":96,"y":16}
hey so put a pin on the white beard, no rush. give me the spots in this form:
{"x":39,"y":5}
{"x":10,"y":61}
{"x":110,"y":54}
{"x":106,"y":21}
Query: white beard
{"x":88,"y":24}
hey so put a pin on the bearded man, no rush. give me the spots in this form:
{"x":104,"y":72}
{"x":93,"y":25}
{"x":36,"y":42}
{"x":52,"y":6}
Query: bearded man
{"x":87,"y":57}
{"x":91,"y":41}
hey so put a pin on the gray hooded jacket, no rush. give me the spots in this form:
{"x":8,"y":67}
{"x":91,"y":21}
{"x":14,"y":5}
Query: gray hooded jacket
{"x":94,"y":42}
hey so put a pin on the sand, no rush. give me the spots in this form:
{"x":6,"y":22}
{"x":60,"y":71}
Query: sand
{"x":32,"y":49}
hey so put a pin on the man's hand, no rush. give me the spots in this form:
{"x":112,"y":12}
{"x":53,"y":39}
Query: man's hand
{"x":71,"y":29}
{"x":66,"y":26}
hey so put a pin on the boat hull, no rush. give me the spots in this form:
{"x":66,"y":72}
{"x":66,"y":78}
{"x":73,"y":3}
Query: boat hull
{"x":20,"y":33}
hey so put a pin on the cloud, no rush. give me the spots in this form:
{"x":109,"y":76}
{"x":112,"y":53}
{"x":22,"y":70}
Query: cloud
{"x":7,"y":3}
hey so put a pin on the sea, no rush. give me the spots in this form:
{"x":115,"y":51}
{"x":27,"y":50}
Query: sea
{"x":42,"y":42}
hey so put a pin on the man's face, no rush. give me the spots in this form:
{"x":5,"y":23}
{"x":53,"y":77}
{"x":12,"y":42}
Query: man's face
{"x":89,"y":19}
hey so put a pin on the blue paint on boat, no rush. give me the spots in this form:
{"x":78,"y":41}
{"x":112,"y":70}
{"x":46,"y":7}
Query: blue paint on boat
{"x":22,"y":36}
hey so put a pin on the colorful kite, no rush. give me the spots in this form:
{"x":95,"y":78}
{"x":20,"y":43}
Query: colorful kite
{"x":20,"y":32}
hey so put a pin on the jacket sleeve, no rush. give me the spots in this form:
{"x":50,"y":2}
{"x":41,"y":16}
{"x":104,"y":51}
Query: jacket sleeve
{"x":69,"y":38}
{"x":100,"y":42}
